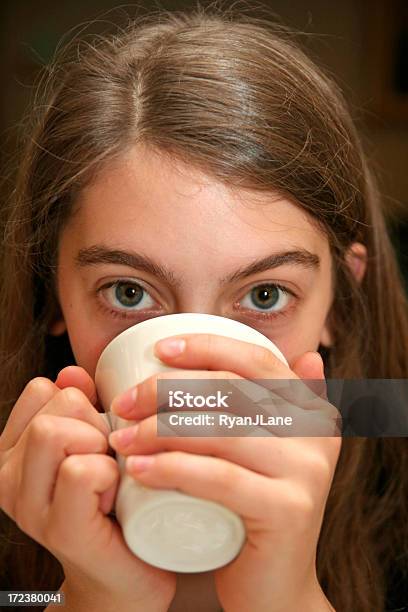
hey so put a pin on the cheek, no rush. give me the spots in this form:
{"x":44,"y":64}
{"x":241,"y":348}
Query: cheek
{"x":88,"y":333}
{"x":87,"y":342}
{"x":296,"y":344}
{"x":304,"y":335}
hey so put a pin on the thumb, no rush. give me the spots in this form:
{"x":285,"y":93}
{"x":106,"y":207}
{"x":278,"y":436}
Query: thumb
{"x":75,"y":376}
{"x":310,"y":368}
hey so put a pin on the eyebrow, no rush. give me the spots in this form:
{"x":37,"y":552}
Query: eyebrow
{"x":100,"y":254}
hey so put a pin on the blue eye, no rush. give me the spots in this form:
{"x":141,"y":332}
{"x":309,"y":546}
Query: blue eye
{"x":127,"y":295}
{"x":126,"y":298}
{"x":268,"y":299}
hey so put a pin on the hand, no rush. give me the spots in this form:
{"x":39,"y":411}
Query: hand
{"x":58,"y":484}
{"x":279,"y":486}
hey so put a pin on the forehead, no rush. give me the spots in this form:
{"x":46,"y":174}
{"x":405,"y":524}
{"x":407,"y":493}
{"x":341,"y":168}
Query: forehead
{"x":161,"y":203}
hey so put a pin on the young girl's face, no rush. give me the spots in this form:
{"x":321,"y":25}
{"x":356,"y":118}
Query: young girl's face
{"x":152,"y":237}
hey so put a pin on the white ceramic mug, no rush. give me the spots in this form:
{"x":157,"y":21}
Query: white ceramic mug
{"x":167,"y":528}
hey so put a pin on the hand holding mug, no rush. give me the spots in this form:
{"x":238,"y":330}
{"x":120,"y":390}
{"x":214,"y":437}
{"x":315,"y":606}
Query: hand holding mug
{"x":278,"y":486}
{"x":169,"y":529}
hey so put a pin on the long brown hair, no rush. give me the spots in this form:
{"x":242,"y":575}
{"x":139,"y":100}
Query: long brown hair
{"x":235,"y":96}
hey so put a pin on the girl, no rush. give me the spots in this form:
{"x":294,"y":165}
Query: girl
{"x":197,"y":161}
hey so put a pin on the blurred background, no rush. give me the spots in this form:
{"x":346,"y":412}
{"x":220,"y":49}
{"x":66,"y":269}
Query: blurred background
{"x":362,"y":44}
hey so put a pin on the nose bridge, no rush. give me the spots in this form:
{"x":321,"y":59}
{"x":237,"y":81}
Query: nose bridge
{"x":201,"y":296}
{"x":197,"y":305}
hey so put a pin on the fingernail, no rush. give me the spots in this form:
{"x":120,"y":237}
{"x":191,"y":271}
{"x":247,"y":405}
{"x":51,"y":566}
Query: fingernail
{"x":123,"y":437}
{"x":125,"y":403}
{"x":139,"y":463}
{"x":171,"y":348}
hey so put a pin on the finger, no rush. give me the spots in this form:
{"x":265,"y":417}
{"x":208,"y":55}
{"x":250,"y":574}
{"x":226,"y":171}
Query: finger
{"x":35,"y":395}
{"x":140,"y":401}
{"x":214,"y":352}
{"x":270,"y":456}
{"x":310,"y":414}
{"x":310,"y":367}
{"x":309,"y":392}
{"x":303,"y":397}
{"x":142,"y":439}
{"x":73,"y":403}
{"x":82,"y":483}
{"x":48,"y":441}
{"x":251,"y":495}
{"x":75,"y":376}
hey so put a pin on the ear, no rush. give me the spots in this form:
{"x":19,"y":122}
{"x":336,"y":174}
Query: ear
{"x":356,"y":259}
{"x":57,"y":326}
{"x":325,"y":335}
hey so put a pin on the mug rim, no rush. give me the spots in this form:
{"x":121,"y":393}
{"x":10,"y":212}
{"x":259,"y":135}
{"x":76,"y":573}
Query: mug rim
{"x":130,"y":330}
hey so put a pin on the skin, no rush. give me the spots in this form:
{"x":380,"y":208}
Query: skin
{"x":230,"y":230}
{"x":282,"y":503}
